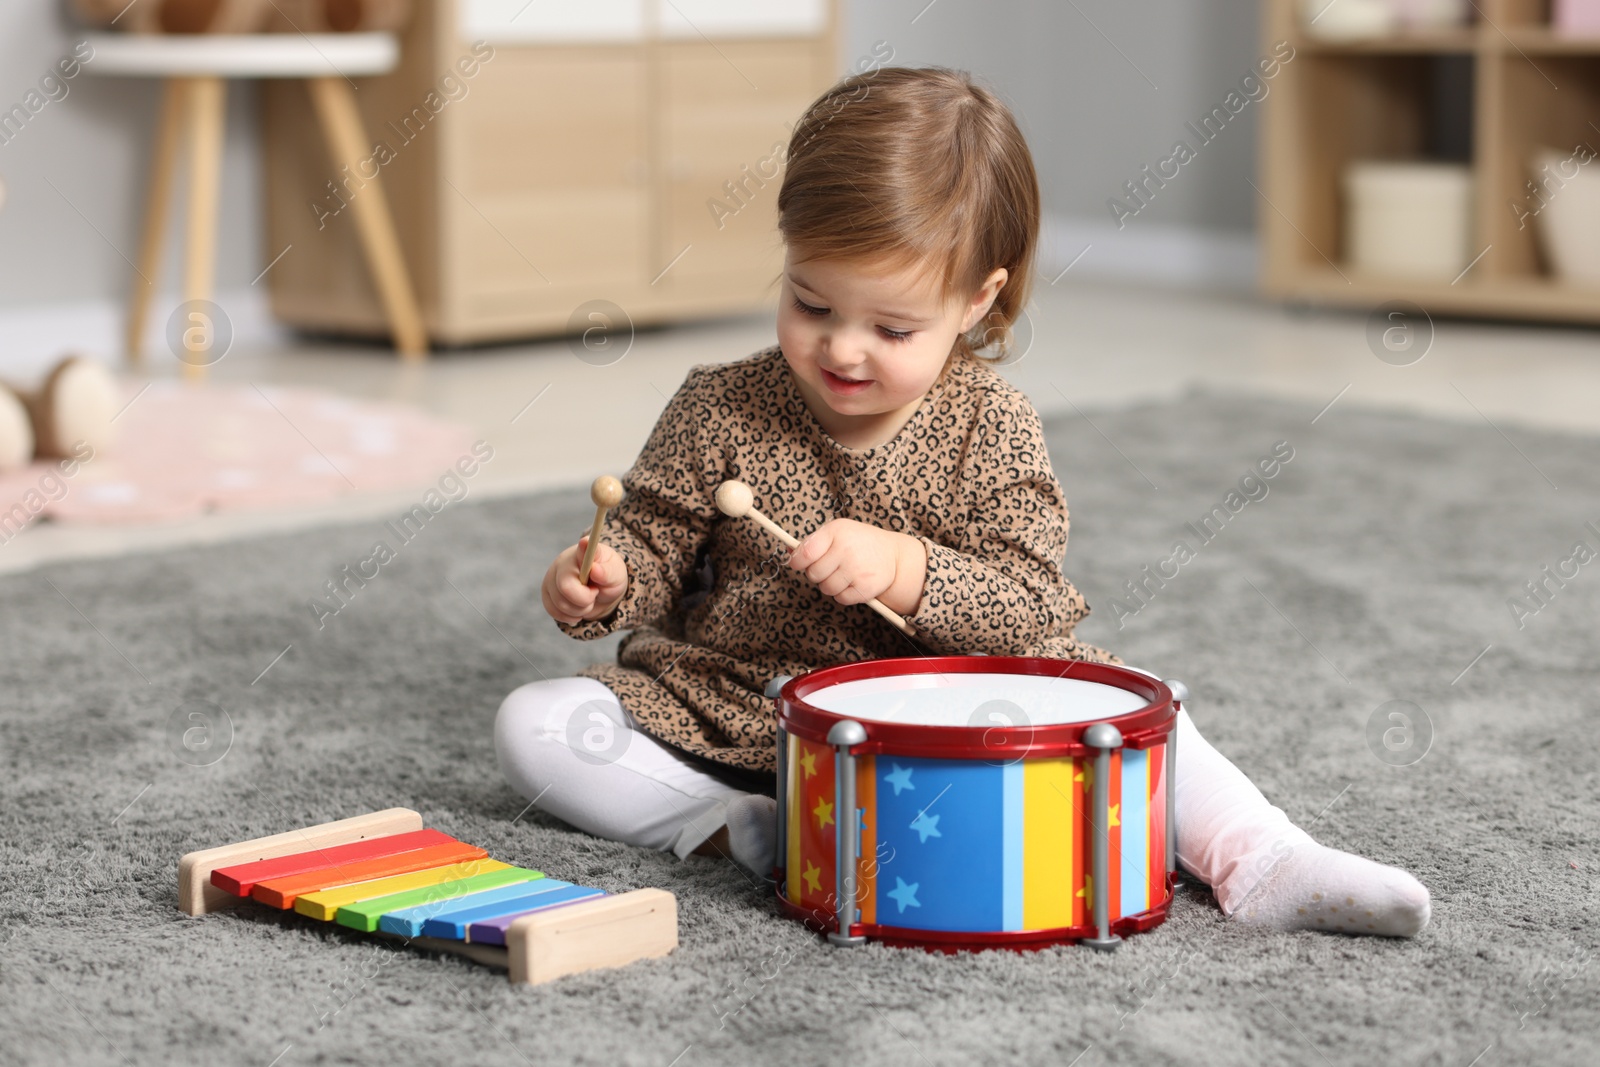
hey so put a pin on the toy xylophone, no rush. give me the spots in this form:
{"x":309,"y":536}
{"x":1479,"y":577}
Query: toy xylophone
{"x":384,"y":874}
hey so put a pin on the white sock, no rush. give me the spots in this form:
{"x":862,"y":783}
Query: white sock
{"x":753,"y":832}
{"x":1266,"y":870}
{"x":1314,"y":887}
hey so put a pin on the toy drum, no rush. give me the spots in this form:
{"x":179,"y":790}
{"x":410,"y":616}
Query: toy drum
{"x":986,"y":801}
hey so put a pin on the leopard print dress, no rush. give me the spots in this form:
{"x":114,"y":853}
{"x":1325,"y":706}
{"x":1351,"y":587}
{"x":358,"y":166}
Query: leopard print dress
{"x":714,"y":611}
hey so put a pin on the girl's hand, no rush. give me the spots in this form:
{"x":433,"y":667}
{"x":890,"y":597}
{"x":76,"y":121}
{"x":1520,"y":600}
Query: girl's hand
{"x":854,"y":562}
{"x":571,"y":601}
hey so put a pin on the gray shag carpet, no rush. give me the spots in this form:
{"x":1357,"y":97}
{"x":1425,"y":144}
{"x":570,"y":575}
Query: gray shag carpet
{"x":1378,"y":567}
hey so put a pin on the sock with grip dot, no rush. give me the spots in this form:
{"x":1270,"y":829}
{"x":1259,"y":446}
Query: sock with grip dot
{"x":753,"y":832}
{"x":1314,"y":887}
{"x":1266,"y":870}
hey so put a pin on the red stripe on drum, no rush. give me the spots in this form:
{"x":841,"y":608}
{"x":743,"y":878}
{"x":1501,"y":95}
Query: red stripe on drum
{"x":1158,"y":825}
{"x":791,"y":793}
{"x":1114,"y":845}
{"x":818,"y":824}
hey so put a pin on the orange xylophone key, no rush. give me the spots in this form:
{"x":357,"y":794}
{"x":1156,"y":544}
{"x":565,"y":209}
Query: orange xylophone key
{"x":281,"y":892}
{"x":241,"y":878}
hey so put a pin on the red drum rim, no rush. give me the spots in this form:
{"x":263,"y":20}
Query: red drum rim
{"x":959,"y":940}
{"x":1147,"y":726}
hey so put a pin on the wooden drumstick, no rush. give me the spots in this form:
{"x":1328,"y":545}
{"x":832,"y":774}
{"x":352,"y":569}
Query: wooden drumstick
{"x":736,"y":500}
{"x":606,"y":492}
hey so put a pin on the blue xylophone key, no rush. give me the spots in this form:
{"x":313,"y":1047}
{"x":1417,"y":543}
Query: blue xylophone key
{"x":409,"y":922}
{"x":492,"y":930}
{"x":452,"y":925}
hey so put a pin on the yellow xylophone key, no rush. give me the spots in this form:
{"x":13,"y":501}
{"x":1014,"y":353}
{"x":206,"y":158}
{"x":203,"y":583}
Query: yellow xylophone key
{"x":281,"y":892}
{"x":325,"y":904}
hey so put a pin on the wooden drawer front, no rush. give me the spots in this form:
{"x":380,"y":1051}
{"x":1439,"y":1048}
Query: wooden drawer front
{"x":617,"y":20}
{"x":595,"y":239}
{"x":519,"y":20}
{"x":746,"y":245}
{"x":694,"y":19}
{"x":549,"y":119}
{"x":721,"y":102}
{"x":718,"y":129}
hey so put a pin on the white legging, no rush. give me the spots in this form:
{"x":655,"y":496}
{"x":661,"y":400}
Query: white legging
{"x":567,"y":745}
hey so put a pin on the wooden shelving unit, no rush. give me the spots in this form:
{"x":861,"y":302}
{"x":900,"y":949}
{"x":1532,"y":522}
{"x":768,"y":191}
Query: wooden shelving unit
{"x":1337,"y":102}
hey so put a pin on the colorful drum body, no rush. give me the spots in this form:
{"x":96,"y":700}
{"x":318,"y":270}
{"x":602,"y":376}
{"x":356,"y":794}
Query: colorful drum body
{"x":968,"y":789}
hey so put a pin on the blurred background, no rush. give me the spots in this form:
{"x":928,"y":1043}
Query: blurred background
{"x":458,"y":206}
{"x":284,"y":282}
{"x":1091,"y":116}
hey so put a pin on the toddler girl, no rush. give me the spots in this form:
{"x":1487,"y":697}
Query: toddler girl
{"x":909,"y":211}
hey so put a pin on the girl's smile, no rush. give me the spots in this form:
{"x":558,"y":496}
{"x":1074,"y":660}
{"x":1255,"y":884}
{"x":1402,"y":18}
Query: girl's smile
{"x":844,"y":386}
{"x":867,"y":341}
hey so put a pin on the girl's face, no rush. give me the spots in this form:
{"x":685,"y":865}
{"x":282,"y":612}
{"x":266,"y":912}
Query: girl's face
{"x":867,"y":342}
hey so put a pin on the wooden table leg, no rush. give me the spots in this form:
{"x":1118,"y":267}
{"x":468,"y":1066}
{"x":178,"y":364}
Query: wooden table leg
{"x":206,"y":97}
{"x":341,"y":126}
{"x":163,"y":161}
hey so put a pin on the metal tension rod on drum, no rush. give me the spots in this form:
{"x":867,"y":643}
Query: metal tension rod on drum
{"x":842,"y":736}
{"x":781,"y":852}
{"x":1180,"y":697}
{"x":1103,"y":737}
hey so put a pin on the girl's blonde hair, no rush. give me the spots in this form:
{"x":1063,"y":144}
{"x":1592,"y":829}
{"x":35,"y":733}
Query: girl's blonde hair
{"x":917,"y":166}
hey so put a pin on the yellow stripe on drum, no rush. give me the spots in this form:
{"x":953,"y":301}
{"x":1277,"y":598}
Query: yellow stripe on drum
{"x":1049,"y":829}
{"x":794,"y":796}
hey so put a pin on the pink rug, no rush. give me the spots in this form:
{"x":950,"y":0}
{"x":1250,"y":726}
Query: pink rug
{"x":182,"y":450}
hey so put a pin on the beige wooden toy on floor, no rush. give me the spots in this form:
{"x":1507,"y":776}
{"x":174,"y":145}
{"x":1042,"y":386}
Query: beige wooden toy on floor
{"x":606,"y":493}
{"x":69,"y":415}
{"x":384,"y":874}
{"x":736,"y":500}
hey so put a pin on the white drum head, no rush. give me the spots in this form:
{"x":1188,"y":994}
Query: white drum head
{"x":975,"y":700}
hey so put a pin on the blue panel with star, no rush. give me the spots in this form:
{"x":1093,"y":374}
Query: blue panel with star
{"x":939,"y":843}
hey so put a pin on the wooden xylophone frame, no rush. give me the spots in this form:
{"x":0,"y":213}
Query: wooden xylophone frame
{"x":610,"y":931}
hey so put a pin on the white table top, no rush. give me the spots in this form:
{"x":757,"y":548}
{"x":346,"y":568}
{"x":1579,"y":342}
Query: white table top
{"x":250,"y":55}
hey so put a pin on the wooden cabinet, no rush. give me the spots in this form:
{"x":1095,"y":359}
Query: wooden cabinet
{"x":722,"y":145}
{"x":1520,"y":86}
{"x":547,"y":210}
{"x":616,"y":153}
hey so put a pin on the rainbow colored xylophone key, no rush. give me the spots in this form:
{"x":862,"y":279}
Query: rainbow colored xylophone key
{"x":384,"y":874}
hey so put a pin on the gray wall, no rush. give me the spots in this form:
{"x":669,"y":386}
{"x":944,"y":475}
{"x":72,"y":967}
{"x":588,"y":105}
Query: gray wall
{"x":90,"y":145}
{"x":1092,"y":117}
